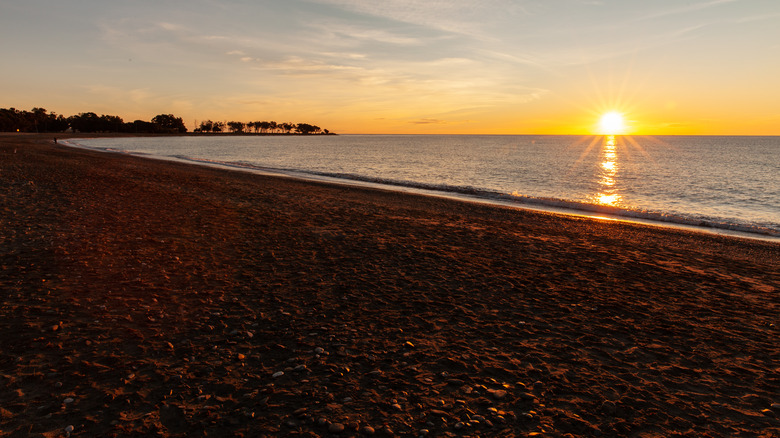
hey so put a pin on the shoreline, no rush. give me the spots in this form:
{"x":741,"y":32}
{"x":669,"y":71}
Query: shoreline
{"x":144,"y":297}
{"x":494,"y":199}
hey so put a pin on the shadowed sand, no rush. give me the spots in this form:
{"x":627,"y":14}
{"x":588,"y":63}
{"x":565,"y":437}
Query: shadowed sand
{"x":151,"y":298}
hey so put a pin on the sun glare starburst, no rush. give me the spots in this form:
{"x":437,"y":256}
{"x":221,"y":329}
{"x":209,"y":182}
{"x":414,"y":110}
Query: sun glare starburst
{"x":612,"y":123}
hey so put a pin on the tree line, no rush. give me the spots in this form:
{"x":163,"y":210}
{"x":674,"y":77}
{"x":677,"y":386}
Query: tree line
{"x":40,"y":120}
{"x":260,"y":127}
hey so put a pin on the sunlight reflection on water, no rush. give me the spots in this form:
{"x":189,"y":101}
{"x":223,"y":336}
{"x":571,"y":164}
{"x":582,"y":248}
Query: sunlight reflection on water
{"x":608,"y":169}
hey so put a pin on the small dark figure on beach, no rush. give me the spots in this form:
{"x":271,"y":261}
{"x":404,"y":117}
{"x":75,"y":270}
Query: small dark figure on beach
{"x":55,"y":140}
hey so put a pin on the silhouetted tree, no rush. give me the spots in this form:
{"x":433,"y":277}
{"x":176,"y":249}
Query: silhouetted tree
{"x":91,"y":122}
{"x":169,"y":124}
{"x":56,"y":123}
{"x":305,"y":128}
{"x":236,"y":127}
{"x":85,"y":122}
{"x":37,"y":120}
{"x":206,"y":126}
{"x":111,"y":123}
{"x":142,"y":127}
{"x":39,"y":117}
{"x":12,"y":120}
{"x":261,"y":126}
{"x":40,"y":120}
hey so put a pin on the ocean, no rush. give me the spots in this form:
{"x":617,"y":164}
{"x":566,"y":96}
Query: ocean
{"x":724,"y":183}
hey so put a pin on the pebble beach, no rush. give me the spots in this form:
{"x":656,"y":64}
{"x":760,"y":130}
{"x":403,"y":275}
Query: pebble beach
{"x":152,"y":298}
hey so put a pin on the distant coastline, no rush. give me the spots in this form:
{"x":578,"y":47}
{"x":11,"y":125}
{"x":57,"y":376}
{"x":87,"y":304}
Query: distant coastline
{"x":249,"y":134}
{"x":39,"y":120}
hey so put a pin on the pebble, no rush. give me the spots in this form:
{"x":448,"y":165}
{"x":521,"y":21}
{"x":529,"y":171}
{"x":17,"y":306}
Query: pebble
{"x":776,"y":406}
{"x":538,"y":386}
{"x":424,"y":432}
{"x":459,"y":425}
{"x":319,"y":350}
{"x":68,"y":400}
{"x":397,"y":407}
{"x":322,"y":421}
{"x":278,"y":374}
{"x":497,"y":394}
{"x":240,"y":356}
{"x":336,"y":428}
{"x":69,"y":429}
{"x":368,"y":430}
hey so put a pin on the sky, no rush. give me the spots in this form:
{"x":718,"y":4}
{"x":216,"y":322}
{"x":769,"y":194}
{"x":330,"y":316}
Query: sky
{"x":706,"y":67}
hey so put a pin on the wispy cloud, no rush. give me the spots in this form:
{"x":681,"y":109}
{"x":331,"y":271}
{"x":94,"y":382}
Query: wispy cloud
{"x":137,"y":102}
{"x":349,"y":34}
{"x":455,"y":16}
{"x":298,"y":66}
{"x":694,"y":7}
{"x":408,"y":61}
{"x":428,"y":122}
{"x":600,"y":51}
{"x":762,"y":17}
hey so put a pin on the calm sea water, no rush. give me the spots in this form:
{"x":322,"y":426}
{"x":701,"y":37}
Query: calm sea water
{"x":721,"y":182}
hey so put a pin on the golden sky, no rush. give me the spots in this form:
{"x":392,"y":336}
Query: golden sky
{"x":403,"y":66}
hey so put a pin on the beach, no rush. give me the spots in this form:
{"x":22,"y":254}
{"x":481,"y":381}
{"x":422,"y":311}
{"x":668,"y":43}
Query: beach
{"x":152,"y":298}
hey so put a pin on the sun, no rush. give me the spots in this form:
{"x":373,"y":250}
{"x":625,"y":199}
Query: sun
{"x":612,"y":123}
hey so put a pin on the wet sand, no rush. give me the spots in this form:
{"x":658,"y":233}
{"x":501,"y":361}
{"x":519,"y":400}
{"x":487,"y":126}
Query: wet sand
{"x":147,"y":298}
